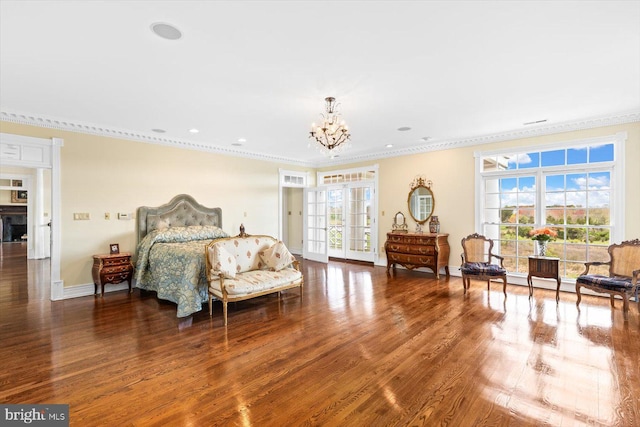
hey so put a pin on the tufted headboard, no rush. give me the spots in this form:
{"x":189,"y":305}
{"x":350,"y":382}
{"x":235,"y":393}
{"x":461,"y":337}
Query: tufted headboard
{"x":181,"y":211}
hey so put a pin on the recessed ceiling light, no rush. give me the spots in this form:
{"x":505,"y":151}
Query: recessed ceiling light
{"x":166,"y":31}
{"x":242,"y":140}
{"x":389,"y":145}
{"x":236,"y":144}
{"x":425,"y":138}
{"x":404,"y":128}
{"x":194,"y":130}
{"x":158,"y":130}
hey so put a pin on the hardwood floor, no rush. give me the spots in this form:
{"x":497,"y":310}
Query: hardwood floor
{"x":359,"y":349}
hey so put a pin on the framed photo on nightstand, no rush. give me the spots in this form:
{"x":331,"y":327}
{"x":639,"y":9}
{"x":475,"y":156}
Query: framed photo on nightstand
{"x":114,"y":248}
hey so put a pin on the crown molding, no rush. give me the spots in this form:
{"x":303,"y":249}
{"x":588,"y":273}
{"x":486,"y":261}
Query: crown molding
{"x":93,"y":129}
{"x":529,"y":132}
{"x":437,"y":145}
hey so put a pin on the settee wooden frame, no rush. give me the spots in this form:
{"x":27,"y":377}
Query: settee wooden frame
{"x":224,"y":296}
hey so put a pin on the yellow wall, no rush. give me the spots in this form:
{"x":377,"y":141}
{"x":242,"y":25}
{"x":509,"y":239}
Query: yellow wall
{"x":453,"y":174}
{"x":102,"y":174}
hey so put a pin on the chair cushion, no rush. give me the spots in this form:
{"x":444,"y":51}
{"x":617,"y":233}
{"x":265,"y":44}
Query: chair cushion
{"x":606,"y":282}
{"x":257,"y":281}
{"x":277,"y":256}
{"x":482,"y":269}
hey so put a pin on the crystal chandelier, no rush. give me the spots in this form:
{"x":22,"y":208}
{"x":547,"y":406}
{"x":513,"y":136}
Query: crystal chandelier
{"x":331,"y":135}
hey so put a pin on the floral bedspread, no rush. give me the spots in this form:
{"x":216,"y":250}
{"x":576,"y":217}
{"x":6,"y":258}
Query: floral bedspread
{"x":171,"y":262}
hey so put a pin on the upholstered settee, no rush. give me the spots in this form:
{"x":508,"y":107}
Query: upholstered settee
{"x":246,"y":266}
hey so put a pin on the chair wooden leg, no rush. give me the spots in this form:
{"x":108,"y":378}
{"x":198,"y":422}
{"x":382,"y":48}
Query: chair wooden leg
{"x":578,"y":293}
{"x":210,"y":305}
{"x":224,"y":311}
{"x":625,"y":307}
{"x":504,"y":286}
{"x":611,"y":298}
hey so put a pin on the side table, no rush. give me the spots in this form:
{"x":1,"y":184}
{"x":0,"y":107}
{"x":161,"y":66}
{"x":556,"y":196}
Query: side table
{"x":114,"y":268}
{"x":546,"y":268}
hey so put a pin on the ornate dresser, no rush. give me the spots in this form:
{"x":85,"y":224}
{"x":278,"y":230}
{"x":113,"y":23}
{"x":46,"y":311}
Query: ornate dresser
{"x":414,"y":250}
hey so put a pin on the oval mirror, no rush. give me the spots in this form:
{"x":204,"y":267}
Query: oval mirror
{"x":421,"y":203}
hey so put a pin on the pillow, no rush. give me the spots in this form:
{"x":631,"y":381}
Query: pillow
{"x":225,"y":263}
{"x":277,"y":256}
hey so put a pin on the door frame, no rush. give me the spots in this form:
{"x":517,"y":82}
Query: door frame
{"x":34,"y":153}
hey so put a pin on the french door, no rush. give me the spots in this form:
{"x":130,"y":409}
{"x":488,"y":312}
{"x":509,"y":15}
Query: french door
{"x":315,"y":225}
{"x":350,"y":221}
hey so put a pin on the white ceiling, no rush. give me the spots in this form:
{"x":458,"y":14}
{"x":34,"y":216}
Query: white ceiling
{"x":458,"y":72}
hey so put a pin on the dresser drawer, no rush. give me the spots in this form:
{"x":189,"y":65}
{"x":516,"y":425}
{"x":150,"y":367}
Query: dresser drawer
{"x":411,"y":239}
{"x":109,"y":262}
{"x":115,"y":277}
{"x":411,"y":259}
{"x":410,"y":249}
{"x":124,"y":268}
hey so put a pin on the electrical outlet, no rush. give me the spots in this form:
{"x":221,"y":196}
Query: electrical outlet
{"x":124,"y":216}
{"x":107,"y":216}
{"x":81,"y":216}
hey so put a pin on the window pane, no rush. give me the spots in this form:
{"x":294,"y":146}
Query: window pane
{"x":508,"y":184}
{"x":599,"y":180}
{"x":577,"y":205}
{"x":576,"y":252}
{"x":553,"y":158}
{"x":576,"y":156}
{"x":599,"y":236}
{"x":492,"y":186}
{"x":598,"y":253}
{"x":574,"y":269}
{"x":576,"y":234}
{"x":507,"y":248}
{"x":529,"y":160}
{"x":601,"y":153}
{"x":508,"y":232}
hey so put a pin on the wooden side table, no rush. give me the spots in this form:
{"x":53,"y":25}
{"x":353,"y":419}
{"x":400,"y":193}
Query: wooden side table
{"x":115,"y":268}
{"x":546,"y":268}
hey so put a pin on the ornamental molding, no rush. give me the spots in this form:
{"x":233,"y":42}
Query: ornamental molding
{"x":436,"y":145}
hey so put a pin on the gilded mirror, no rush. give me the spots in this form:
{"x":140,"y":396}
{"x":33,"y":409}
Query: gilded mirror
{"x":421,"y":201}
{"x":399,"y":223}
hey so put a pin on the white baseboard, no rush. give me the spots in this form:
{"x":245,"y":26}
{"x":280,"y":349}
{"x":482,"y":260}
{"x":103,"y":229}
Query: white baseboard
{"x":89,"y":289}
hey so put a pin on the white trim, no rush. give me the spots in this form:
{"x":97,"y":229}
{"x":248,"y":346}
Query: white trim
{"x":88,"y":289}
{"x":50,"y":159}
{"x":435,"y":145}
{"x":281,"y":185}
{"x":619,"y":187}
{"x":616,"y":167}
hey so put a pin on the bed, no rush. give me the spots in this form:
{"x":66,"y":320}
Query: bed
{"x":170,"y":251}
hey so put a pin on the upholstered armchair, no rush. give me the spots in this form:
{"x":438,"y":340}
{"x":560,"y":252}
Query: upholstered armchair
{"x":623,"y":278}
{"x":476,"y":262}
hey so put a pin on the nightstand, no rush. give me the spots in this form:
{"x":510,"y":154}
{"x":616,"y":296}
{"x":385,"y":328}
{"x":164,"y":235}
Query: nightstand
{"x":114,"y":268}
{"x":545,"y":267}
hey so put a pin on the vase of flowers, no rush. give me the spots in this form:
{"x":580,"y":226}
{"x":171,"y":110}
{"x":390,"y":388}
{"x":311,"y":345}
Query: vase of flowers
{"x":543,"y":236}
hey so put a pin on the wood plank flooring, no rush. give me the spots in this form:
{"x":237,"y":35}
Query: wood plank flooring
{"x":358,"y":349}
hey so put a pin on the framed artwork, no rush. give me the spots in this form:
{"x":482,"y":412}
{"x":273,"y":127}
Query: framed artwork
{"x":18,"y":196}
{"x":114,"y":248}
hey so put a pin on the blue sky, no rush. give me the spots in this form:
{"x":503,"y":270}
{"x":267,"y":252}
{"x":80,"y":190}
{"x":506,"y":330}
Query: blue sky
{"x":562,"y":189}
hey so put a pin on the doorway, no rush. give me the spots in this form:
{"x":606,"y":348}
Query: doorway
{"x":349,"y":231}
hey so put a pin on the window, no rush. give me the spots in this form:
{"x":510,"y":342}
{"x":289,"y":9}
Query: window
{"x":573,"y":188}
